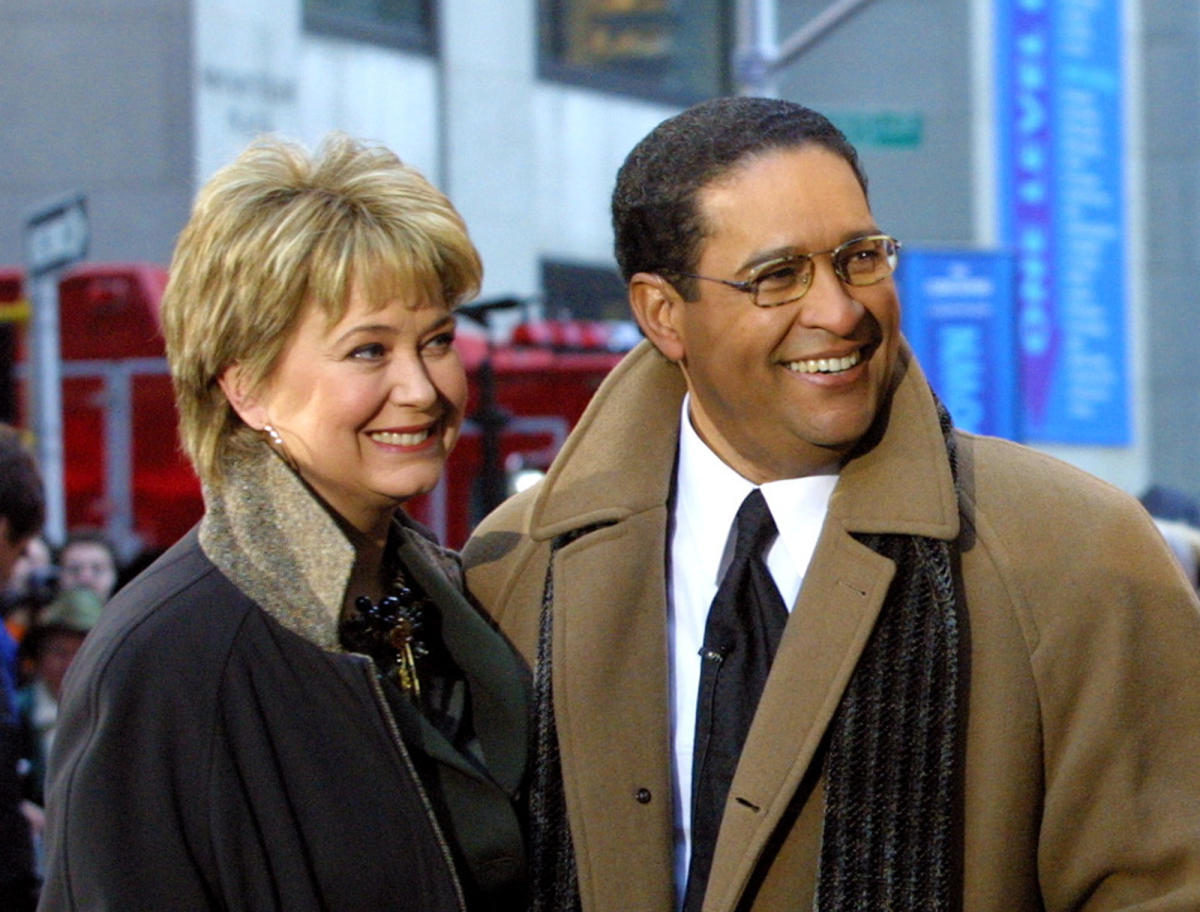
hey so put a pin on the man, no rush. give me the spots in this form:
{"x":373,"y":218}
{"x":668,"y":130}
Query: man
{"x":22,"y":512}
{"x":983,"y":692}
{"x":88,"y":560}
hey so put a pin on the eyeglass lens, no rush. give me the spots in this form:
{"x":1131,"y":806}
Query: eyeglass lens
{"x":862,"y":261}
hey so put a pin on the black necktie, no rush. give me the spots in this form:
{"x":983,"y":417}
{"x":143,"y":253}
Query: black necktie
{"x":745,"y":623}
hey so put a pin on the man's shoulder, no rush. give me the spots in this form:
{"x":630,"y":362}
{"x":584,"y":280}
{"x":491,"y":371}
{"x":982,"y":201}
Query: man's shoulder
{"x":500,"y":551}
{"x":499,"y":531}
{"x":1040,"y":510}
{"x":505,"y":569}
{"x":1006,"y":475}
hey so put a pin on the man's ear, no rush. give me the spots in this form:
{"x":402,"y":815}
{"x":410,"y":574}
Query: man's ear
{"x":658,"y":309}
{"x":236,"y":387}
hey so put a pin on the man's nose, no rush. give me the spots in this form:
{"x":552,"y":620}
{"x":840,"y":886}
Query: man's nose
{"x":830,"y":303}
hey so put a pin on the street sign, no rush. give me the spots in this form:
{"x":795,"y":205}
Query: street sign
{"x":56,"y":234}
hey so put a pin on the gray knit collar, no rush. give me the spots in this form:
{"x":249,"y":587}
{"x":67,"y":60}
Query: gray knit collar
{"x":266,"y":530}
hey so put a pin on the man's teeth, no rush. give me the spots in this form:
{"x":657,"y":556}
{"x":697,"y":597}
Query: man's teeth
{"x":393,"y":439}
{"x":825,"y":365}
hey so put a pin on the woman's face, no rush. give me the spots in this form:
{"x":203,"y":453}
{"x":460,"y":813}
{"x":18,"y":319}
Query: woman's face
{"x":369,"y":408}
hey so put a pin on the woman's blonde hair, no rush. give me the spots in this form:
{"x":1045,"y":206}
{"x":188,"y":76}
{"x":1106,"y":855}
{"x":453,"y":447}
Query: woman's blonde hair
{"x":276,"y":231}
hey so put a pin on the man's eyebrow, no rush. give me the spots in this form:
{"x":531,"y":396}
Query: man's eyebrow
{"x":788,"y":251}
{"x":763,"y":257}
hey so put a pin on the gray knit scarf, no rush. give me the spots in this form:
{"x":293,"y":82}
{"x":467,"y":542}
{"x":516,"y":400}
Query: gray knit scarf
{"x":893,"y":769}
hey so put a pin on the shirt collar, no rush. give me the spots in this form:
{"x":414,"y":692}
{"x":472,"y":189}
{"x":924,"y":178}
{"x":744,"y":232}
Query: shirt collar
{"x":709,"y":493}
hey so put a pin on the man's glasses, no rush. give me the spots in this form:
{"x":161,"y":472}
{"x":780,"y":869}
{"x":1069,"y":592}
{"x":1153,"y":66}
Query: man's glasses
{"x":860,"y":261}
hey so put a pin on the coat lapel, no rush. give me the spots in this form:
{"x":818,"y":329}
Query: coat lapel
{"x":900,"y":484}
{"x":612,"y":707}
{"x":610,"y":643}
{"x":825,"y":636}
{"x":499,"y":683}
{"x":610,"y":673}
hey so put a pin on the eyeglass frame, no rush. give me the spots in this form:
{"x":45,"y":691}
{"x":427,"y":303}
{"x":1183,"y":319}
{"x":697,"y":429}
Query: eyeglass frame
{"x":750,"y":286}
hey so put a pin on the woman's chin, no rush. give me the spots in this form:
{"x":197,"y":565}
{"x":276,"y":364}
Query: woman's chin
{"x":411,"y":488}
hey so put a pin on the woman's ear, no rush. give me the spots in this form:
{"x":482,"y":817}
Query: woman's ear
{"x":234,"y":384}
{"x":658,"y":309}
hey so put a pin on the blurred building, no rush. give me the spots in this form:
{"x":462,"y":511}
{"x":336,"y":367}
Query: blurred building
{"x":522,"y":111}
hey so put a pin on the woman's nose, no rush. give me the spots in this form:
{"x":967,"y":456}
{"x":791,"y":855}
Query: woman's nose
{"x":411,"y":384}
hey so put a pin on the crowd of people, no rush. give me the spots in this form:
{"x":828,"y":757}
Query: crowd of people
{"x":770,"y":635}
{"x":50,"y":599}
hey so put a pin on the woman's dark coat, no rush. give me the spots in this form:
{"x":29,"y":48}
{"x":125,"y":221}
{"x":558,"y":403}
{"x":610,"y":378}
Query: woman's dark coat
{"x":217,"y":750}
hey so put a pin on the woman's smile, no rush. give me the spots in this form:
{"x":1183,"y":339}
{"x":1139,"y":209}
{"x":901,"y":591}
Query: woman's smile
{"x":404,"y":438}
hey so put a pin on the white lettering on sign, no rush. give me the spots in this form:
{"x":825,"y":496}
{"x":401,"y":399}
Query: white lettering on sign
{"x":56,"y":235}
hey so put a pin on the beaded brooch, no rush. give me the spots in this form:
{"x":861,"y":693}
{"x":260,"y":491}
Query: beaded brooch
{"x":390,"y":633}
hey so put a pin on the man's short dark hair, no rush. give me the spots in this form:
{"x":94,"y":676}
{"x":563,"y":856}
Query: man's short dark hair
{"x":89,"y":535}
{"x":656,"y":224}
{"x":22,"y":501}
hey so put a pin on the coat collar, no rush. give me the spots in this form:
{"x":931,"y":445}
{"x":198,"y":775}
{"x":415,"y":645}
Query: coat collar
{"x":267,"y":532}
{"x":609,"y":594}
{"x":899,"y":481}
{"x":272,"y":536}
{"x":636,"y":410}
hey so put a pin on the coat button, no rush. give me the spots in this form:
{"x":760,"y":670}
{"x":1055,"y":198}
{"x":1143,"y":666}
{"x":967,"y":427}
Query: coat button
{"x":642,"y":795}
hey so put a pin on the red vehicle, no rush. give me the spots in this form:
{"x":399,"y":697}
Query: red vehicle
{"x":123,"y":467}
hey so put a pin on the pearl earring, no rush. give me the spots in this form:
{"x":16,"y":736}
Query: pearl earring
{"x":279,"y":445}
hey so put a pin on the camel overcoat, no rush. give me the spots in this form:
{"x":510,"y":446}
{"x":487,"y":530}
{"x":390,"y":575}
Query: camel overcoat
{"x":1082,"y":784}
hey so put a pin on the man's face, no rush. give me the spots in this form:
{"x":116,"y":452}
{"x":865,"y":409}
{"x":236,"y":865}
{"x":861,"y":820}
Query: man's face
{"x":89,"y":565}
{"x":762,"y":397}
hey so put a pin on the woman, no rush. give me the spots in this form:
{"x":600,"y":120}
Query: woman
{"x":295,"y":708}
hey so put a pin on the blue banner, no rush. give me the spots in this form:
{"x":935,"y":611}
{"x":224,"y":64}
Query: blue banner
{"x":958,"y":317}
{"x":1060,"y":128}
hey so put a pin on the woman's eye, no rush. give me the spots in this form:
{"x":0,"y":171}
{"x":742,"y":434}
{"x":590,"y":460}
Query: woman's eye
{"x":440,"y":343}
{"x":372,"y":351}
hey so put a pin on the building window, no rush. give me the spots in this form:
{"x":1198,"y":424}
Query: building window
{"x":405,"y":24}
{"x":665,"y":50}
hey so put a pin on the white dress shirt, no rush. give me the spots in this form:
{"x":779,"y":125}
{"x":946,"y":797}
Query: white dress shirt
{"x":708,"y":494}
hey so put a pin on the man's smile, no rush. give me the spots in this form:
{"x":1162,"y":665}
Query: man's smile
{"x":825,"y":365}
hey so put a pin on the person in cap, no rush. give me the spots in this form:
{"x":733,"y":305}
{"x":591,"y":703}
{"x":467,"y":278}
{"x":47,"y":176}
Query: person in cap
{"x":49,"y":647}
